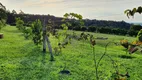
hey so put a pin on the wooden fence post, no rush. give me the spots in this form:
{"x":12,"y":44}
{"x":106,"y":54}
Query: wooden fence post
{"x":44,"y":36}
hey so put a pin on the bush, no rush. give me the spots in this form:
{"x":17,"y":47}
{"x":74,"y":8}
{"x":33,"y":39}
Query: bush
{"x":28,"y":33}
{"x":83,"y":29}
{"x":105,"y":30}
{"x":2,"y":23}
{"x":37,"y":31}
{"x":91,"y":29}
{"x":20,"y":24}
{"x":132,"y":32}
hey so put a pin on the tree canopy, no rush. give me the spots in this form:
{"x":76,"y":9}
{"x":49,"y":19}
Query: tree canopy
{"x":37,"y":31}
{"x":3,"y":15}
{"x":20,"y":24}
{"x":2,"y":12}
{"x":73,"y":20}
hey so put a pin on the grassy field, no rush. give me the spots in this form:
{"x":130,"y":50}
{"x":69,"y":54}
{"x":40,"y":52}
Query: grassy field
{"x":20,"y":59}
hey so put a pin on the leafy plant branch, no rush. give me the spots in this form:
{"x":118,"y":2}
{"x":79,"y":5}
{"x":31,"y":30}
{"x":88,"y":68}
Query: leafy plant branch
{"x":100,"y":59}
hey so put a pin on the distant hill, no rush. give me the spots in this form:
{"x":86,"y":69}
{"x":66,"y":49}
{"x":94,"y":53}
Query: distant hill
{"x":28,"y":18}
{"x":106,"y":23}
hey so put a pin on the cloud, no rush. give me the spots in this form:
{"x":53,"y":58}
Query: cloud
{"x":93,"y":9}
{"x":41,"y":2}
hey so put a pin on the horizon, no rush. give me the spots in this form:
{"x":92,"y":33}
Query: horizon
{"x":93,"y":9}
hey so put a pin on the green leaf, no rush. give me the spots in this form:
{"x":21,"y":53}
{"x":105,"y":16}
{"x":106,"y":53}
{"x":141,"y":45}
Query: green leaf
{"x":134,"y":11}
{"x":126,"y":11}
{"x":139,"y":10}
{"x":66,"y":15}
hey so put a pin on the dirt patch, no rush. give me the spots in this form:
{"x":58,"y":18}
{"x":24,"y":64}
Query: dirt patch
{"x":102,"y":38}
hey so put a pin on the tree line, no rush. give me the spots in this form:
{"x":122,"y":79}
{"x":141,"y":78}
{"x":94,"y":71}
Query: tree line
{"x":30,"y":17}
{"x":101,"y":26}
{"x":132,"y":31}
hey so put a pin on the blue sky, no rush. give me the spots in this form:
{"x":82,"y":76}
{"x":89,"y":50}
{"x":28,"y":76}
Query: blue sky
{"x":91,"y":9}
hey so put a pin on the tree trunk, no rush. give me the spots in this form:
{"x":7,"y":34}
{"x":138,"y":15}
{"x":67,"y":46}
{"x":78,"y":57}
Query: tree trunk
{"x":44,"y":43}
{"x":50,"y":49}
{"x":44,"y":37}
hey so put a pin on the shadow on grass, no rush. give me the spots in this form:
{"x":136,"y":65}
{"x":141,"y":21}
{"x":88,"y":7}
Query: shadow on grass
{"x":65,"y":72}
{"x":43,"y":58}
{"x":127,"y":56}
{"x":12,"y":31}
{"x":32,"y":50}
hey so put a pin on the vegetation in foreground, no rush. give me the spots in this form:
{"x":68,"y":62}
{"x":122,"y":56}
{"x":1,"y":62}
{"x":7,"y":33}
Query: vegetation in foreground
{"x":21,"y":59}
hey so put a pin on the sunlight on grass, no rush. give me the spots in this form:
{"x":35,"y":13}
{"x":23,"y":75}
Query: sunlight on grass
{"x":20,"y":59}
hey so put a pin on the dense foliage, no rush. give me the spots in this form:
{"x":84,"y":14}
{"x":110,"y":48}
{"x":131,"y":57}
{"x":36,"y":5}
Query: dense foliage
{"x":37,"y":31}
{"x":28,"y":18}
{"x":73,"y":21}
{"x":89,"y":25}
{"x":106,"y":23}
{"x":133,"y":31}
{"x":20,"y":24}
{"x":3,"y":16}
{"x":102,"y":26}
{"x":58,"y":20}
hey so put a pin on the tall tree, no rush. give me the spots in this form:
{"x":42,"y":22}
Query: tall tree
{"x":21,"y":12}
{"x":14,"y":12}
{"x":2,"y":6}
{"x":3,"y":16}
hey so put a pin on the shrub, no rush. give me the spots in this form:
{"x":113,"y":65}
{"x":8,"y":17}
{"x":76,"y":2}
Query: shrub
{"x":20,"y":24}
{"x":37,"y":31}
{"x":28,"y":33}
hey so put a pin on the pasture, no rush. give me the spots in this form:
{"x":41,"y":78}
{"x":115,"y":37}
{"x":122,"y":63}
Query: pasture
{"x":20,"y":59}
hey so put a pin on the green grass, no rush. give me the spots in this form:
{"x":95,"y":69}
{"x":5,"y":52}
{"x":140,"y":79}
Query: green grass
{"x":20,"y":59}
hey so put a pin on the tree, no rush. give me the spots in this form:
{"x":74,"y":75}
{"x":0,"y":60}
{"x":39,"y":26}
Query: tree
{"x":40,"y":33}
{"x":28,"y":33}
{"x":37,"y":32}
{"x":20,"y":24}
{"x":21,"y":12}
{"x":136,"y":27}
{"x":2,"y":6}
{"x":3,"y":16}
{"x":14,"y":12}
{"x":132,"y":32}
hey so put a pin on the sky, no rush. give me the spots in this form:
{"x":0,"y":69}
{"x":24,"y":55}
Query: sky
{"x":89,"y":9}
